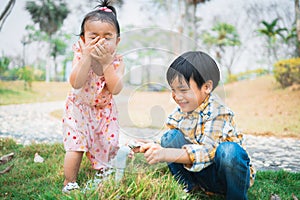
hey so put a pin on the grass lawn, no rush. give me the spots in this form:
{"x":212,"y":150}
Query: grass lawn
{"x":12,"y":92}
{"x":29,"y":180}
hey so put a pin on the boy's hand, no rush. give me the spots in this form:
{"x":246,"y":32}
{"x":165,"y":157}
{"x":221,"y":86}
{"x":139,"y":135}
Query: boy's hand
{"x":135,"y":146}
{"x":153,"y":152}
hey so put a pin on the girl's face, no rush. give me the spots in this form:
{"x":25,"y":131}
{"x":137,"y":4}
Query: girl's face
{"x":188,"y":97}
{"x":94,"y":28}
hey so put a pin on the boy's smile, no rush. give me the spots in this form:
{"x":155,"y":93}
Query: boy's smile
{"x":188,"y":97}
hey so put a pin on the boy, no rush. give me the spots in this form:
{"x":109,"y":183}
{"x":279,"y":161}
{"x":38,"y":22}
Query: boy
{"x":203,"y":148}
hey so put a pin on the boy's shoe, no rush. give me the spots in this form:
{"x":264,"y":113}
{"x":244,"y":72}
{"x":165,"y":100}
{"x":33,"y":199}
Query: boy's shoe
{"x":69,"y":187}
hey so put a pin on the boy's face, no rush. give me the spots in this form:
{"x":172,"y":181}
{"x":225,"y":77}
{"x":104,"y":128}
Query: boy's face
{"x":188,"y":97}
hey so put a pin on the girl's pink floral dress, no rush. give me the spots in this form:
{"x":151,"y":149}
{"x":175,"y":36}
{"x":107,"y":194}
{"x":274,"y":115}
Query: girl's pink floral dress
{"x":90,"y":121}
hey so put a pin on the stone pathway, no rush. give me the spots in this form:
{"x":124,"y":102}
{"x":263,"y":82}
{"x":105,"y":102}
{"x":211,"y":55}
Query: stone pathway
{"x":27,"y":123}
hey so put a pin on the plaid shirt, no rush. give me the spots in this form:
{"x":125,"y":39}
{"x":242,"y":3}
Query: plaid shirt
{"x":206,"y":127}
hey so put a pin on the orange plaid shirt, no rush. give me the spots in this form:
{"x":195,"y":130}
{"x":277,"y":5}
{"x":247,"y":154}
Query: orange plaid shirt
{"x":206,"y":127}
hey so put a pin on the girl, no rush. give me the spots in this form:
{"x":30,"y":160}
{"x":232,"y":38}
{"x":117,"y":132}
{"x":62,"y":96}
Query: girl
{"x":90,"y":118}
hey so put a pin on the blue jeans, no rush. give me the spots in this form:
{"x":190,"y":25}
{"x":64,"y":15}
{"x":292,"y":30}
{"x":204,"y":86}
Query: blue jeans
{"x":229,"y":174}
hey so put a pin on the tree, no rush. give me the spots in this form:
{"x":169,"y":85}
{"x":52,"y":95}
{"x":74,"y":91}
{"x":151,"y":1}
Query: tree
{"x":272,"y":31}
{"x":7,"y":10}
{"x":194,"y":3}
{"x":178,"y":12}
{"x":222,"y":35}
{"x":59,"y":47}
{"x":297,"y":17}
{"x":49,"y":16}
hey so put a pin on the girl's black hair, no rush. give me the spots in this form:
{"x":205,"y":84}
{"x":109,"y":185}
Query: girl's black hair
{"x":104,"y":16}
{"x":194,"y":64}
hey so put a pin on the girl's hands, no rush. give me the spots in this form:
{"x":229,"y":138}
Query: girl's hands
{"x":87,"y":49}
{"x":102,"y":53}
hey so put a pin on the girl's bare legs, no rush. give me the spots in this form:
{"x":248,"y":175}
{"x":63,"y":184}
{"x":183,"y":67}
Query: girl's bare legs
{"x":72,"y":165}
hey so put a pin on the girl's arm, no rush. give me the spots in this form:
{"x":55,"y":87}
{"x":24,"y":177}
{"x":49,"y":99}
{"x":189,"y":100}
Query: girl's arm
{"x":79,"y":72}
{"x":154,"y":153}
{"x":82,"y":66}
{"x":113,"y":77}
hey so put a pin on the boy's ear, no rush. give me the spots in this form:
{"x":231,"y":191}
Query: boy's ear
{"x":208,"y":85}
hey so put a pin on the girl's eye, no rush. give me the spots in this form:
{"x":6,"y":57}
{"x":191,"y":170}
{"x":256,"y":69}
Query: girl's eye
{"x":108,"y":38}
{"x":184,"y":90}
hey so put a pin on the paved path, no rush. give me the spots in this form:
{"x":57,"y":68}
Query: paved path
{"x":28,"y":123}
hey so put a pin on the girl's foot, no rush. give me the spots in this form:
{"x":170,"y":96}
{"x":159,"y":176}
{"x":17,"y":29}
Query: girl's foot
{"x":69,"y":187}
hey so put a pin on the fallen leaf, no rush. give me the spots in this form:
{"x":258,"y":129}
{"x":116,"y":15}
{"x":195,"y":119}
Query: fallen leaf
{"x":274,"y":197}
{"x":38,"y":158}
{"x":7,"y":169}
{"x":4,"y":159}
{"x":294,"y":197}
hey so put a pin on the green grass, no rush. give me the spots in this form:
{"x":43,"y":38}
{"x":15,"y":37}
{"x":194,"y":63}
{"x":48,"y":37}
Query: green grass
{"x":29,"y":180}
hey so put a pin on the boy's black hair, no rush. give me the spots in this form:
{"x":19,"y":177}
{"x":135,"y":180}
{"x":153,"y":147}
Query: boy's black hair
{"x":104,"y":16}
{"x":194,"y":64}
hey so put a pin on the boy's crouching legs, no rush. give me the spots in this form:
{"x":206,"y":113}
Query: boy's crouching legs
{"x":175,"y":139}
{"x":232,"y":164}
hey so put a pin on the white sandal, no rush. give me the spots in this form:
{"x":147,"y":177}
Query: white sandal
{"x":69,"y":187}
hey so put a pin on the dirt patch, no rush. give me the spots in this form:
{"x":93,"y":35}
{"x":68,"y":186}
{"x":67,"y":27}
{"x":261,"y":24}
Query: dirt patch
{"x":263,"y":108}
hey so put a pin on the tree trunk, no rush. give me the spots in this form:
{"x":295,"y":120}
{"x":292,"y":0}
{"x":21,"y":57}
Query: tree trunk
{"x":48,"y":65}
{"x":297,"y":17}
{"x":195,"y":22}
{"x":6,"y":12}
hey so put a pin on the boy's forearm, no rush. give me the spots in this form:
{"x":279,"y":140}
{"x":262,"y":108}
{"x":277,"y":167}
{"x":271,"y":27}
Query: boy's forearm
{"x":176,"y":155}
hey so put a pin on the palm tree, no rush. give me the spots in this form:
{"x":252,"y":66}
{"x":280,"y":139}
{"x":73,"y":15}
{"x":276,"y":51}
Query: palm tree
{"x":271,"y":31}
{"x":223,"y":35}
{"x":194,"y":3}
{"x":49,"y":16}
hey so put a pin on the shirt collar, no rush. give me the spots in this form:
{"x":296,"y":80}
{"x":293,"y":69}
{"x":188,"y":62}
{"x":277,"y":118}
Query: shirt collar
{"x":199,"y":109}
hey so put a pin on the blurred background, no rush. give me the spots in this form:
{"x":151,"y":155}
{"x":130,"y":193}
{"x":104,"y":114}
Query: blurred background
{"x":254,"y":41}
{"x":244,"y":36}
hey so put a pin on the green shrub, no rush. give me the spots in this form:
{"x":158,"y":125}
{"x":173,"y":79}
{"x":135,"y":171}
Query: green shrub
{"x":11,"y":74}
{"x":287,"y":72}
{"x":27,"y":74}
{"x":232,"y":78}
{"x":4,"y":62}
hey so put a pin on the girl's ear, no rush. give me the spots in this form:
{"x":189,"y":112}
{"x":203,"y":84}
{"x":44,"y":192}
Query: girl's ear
{"x":208,"y":86}
{"x":118,"y":40}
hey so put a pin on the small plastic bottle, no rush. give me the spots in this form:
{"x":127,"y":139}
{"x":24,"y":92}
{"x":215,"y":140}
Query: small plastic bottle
{"x":120,"y":162}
